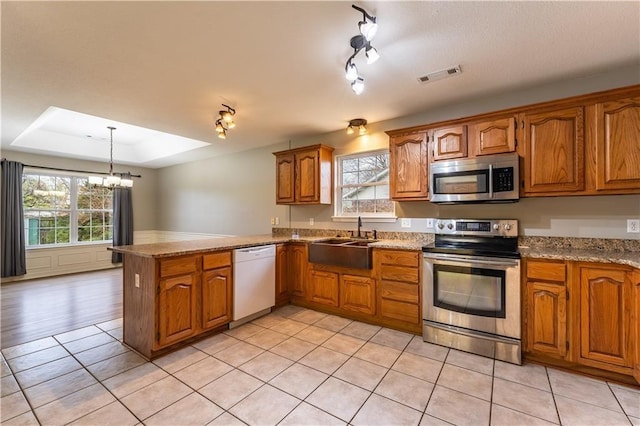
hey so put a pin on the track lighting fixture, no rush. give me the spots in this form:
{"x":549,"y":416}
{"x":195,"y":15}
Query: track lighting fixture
{"x":358,"y":124}
{"x":225,"y":121}
{"x":368,"y":28}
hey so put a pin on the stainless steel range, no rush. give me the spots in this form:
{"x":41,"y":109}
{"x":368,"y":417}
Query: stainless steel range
{"x":471,"y":286}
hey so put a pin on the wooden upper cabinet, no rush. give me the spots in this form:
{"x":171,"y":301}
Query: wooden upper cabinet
{"x":304,"y":175}
{"x":606,"y":306}
{"x":449,"y":142}
{"x":285,"y":179}
{"x":493,"y":137}
{"x":554,"y":151}
{"x":618,"y":144}
{"x":408,"y":167}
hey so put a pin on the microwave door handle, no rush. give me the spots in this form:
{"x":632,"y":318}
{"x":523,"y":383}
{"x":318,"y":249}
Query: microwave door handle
{"x":490,"y":180}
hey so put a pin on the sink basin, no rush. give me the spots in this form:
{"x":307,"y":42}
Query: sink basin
{"x":345,"y":252}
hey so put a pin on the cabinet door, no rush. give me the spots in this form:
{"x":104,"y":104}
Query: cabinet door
{"x":358,"y":294}
{"x":297,"y":279}
{"x":323,"y":287}
{"x":605,"y":316}
{"x":493,"y":137}
{"x":307,"y":187}
{"x":285,"y":167}
{"x":618,"y":144}
{"x":217,"y":293}
{"x":546,"y":312}
{"x":554,"y":151}
{"x":449,"y":142}
{"x":282,"y":274}
{"x":636,"y":336}
{"x":177,"y":307}
{"x":408,"y":167}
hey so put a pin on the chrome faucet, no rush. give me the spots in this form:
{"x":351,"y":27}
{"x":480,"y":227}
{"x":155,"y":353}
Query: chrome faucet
{"x":359,"y":226}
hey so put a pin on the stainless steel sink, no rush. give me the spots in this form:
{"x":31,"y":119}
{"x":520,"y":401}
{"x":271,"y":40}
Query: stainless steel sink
{"x":346,"y":252}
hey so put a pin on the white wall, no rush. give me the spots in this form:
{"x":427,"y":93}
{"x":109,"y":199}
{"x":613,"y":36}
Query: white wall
{"x":235,"y":194}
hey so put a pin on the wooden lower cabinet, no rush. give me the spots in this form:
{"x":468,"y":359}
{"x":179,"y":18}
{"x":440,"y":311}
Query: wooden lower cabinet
{"x":217,"y":295}
{"x":324,"y":287}
{"x":606,"y":306}
{"x":298,"y":269}
{"x":282,"y":274}
{"x":583,"y":316}
{"x":399,"y":288}
{"x":546,"y":308}
{"x":170,"y":300}
{"x":358,"y":294}
{"x":177,"y":308}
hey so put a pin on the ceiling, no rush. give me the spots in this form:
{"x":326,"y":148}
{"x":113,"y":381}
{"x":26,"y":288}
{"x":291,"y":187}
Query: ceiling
{"x":168,"y":66}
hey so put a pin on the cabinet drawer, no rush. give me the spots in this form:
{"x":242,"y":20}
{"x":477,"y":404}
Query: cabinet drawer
{"x":402,"y":311}
{"x":216,"y":260}
{"x":402,"y":258}
{"x":181,"y":265}
{"x":403,"y":292}
{"x":399,"y":273}
{"x":546,"y":270}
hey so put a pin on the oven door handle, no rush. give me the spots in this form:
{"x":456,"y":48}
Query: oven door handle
{"x":473,"y":260}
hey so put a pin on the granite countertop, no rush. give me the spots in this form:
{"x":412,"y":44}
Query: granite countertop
{"x":582,"y":255}
{"x":177,"y":248}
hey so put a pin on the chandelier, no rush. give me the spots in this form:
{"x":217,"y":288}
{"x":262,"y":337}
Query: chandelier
{"x":112,"y":180}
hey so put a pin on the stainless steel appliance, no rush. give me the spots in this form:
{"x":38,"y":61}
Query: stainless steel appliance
{"x":491,"y":178}
{"x":471,"y":287}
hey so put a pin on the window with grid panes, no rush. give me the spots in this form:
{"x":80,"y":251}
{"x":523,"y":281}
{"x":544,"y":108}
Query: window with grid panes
{"x":362,"y":185}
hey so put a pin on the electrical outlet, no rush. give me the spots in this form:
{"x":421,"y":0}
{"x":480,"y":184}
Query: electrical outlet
{"x":137,"y":280}
{"x":311,"y":221}
{"x":277,"y":220}
{"x":405,"y":223}
{"x":633,"y":226}
{"x":430,"y":223}
{"x":273,"y":220}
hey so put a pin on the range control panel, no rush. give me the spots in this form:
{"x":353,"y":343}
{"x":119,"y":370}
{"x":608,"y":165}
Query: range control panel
{"x":486,"y":227}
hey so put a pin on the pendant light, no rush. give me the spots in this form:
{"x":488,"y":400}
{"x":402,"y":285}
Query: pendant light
{"x":112,"y":180}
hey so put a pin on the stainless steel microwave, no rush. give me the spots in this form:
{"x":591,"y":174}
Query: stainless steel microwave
{"x":491,"y":178}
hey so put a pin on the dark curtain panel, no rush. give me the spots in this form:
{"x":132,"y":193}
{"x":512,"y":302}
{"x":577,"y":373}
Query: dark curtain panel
{"x":13,"y":239}
{"x":122,"y":220}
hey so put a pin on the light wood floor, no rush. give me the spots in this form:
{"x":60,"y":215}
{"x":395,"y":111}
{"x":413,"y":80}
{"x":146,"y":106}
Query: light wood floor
{"x":43,"y":307}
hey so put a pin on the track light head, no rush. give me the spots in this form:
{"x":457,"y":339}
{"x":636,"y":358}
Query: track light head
{"x":351,"y":72}
{"x":357,"y":85}
{"x":371,"y":54}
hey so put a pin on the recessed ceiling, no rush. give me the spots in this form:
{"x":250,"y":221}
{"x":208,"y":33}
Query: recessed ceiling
{"x":86,"y":136}
{"x":168,"y":66}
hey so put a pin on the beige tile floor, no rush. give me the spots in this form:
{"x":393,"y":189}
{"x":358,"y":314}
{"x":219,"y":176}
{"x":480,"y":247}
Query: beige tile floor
{"x":293,"y":367}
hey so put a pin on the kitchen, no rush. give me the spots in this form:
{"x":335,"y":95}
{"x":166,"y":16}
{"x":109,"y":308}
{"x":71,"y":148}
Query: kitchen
{"x":180,"y":198}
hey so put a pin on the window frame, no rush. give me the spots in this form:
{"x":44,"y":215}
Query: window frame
{"x":338,"y":186}
{"x":74,"y":211}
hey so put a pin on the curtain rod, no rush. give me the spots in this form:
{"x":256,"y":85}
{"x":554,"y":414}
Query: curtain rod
{"x":77,"y":171}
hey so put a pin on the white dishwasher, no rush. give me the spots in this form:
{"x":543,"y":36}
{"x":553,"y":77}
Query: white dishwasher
{"x":254,"y":283}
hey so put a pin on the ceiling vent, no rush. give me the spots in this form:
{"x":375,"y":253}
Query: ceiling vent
{"x":439,"y":75}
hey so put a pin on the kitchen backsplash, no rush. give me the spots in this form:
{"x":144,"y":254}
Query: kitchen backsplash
{"x":604,"y":244}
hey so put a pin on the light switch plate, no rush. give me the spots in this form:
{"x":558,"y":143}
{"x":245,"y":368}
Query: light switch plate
{"x":405,"y":223}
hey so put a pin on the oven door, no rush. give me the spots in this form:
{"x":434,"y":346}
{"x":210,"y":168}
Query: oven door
{"x":476,"y":293}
